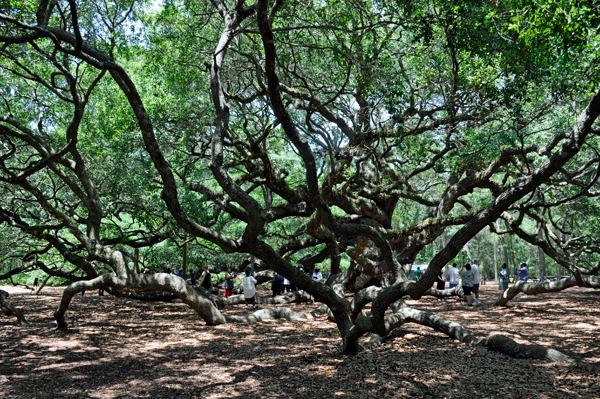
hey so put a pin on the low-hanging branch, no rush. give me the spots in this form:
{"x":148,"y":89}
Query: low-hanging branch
{"x":537,"y":288}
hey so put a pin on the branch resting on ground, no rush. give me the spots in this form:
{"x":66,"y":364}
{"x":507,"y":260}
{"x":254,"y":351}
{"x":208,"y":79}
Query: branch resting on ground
{"x":549,"y":286}
{"x":197,"y":298}
{"x":405,"y":314}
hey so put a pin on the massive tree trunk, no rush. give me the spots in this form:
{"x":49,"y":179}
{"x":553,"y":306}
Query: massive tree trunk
{"x":311,"y":199}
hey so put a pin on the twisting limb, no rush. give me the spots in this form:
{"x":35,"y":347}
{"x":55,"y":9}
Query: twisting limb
{"x":549,"y":286}
{"x":204,"y":305}
{"x":9,"y":309}
{"x":405,"y":314}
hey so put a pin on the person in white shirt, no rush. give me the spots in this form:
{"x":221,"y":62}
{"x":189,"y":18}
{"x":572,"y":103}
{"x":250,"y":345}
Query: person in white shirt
{"x":249,"y":286}
{"x":453,"y":276}
{"x":317,"y":274}
{"x":476,"y":281}
{"x":286,"y":286}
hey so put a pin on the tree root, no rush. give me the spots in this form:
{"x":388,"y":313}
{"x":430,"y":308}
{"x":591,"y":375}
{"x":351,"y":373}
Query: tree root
{"x":549,"y":286}
{"x":9,"y":309}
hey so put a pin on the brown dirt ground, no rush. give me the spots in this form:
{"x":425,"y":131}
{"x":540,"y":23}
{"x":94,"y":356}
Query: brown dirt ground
{"x":163,"y":350}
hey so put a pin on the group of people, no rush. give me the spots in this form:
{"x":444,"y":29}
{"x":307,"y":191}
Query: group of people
{"x":469,"y":273}
{"x":205,"y":275}
{"x":520,"y":275}
{"x":280,"y":285}
{"x":471,"y":279}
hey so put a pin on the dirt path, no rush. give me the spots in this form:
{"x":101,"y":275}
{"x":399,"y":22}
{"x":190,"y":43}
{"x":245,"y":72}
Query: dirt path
{"x":163,"y":350}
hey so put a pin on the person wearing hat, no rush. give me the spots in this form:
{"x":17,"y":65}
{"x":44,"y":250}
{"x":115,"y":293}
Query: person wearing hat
{"x":180,"y":272}
{"x":523,"y":274}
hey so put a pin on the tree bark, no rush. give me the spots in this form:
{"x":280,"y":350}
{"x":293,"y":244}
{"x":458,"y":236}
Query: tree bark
{"x":268,"y":314}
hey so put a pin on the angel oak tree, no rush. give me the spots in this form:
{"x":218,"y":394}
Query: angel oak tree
{"x":337,"y":129}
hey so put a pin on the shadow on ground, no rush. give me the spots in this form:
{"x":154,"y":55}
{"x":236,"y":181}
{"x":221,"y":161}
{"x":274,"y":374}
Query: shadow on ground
{"x":163,"y":350}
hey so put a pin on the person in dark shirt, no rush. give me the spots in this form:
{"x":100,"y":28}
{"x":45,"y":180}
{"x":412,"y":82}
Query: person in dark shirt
{"x":206,"y":281}
{"x":277,"y":284}
{"x":441,"y":284}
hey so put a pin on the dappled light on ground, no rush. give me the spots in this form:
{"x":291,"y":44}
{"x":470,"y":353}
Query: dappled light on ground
{"x":163,"y":350}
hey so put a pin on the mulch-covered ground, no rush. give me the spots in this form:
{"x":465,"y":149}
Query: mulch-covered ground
{"x":163,"y":350}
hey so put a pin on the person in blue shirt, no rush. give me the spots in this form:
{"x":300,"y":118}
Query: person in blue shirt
{"x":503,"y":278}
{"x":467,"y":282}
{"x":277,"y":284}
{"x":317,"y":274}
{"x":523,"y":274}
